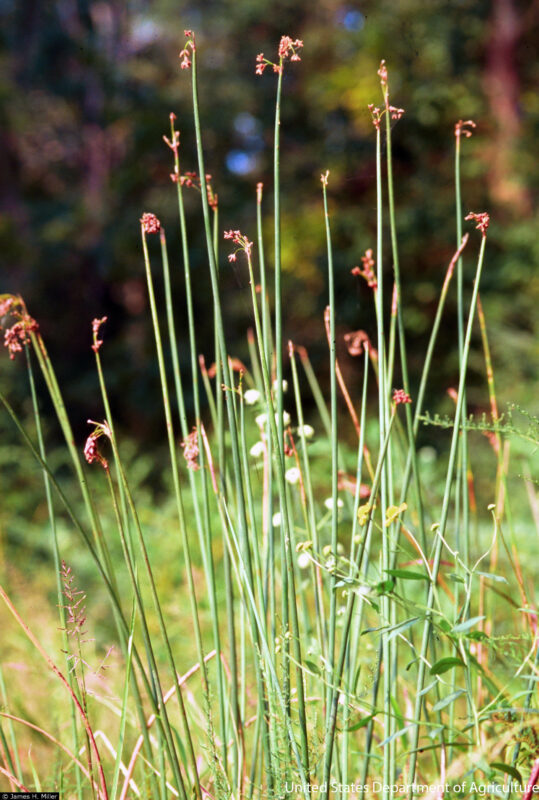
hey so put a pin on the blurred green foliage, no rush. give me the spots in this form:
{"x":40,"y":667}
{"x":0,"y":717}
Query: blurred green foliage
{"x":87,"y":86}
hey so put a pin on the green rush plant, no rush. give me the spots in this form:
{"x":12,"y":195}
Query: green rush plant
{"x":367,"y":634}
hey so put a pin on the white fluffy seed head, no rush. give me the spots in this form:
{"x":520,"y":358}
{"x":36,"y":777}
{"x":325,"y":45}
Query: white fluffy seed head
{"x":329,"y":503}
{"x":292,"y":475}
{"x":306,"y":430}
{"x":251,"y":396}
{"x":257,"y":450}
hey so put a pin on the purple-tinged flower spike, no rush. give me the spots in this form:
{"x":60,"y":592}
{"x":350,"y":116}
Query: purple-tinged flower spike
{"x":482,"y":219}
{"x":324,"y":177}
{"x":242,"y":242}
{"x":96,"y":324}
{"x":150,"y":223}
{"x":288,"y":48}
{"x":464,"y":128}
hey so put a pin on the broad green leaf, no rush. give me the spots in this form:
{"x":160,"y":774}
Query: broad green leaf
{"x":462,"y":627}
{"x":445,"y":664}
{"x":512,"y":771}
{"x":407,"y":575}
{"x":394,"y":736}
{"x":398,"y":629}
{"x":384,"y":587}
{"x":492,"y":577}
{"x":361,"y":724}
{"x":446,"y":701}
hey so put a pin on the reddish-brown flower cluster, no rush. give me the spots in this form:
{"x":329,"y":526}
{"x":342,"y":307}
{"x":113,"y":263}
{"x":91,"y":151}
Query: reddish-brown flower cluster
{"x":191,"y":450}
{"x":348,"y":483}
{"x":376,"y":114}
{"x":234,"y":364}
{"x":396,"y":113}
{"x":242,"y":242}
{"x":96,"y":324}
{"x":288,"y":48}
{"x":173,"y":143}
{"x":150,"y":223}
{"x":185,"y":54}
{"x":482,"y":219}
{"x":91,"y":450}
{"x":358,"y":341}
{"x":191,"y":181}
{"x":400,"y":397}
{"x":18,"y":335}
{"x":5,"y":305}
{"x":368,"y":269}
{"x":464,"y":128}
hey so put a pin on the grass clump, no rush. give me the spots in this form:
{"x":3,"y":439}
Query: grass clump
{"x":332,"y":628}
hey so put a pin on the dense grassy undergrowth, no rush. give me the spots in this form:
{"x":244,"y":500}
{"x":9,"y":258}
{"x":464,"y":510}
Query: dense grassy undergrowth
{"x":315,"y":605}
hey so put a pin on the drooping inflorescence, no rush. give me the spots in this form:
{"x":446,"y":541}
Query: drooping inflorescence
{"x":91,"y":450}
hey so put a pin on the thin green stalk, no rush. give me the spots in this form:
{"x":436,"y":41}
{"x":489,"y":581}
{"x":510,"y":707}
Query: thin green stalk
{"x":174,"y":463}
{"x":61,"y":413}
{"x":203,"y":526}
{"x":334,"y":453}
{"x":279,"y":445}
{"x":124,"y":713}
{"x":311,"y":520}
{"x":57,"y":566}
{"x":227,"y":377}
{"x":331,"y":727}
{"x":268,"y":351}
{"x":175,"y":765}
{"x":244,"y":583}
{"x":418,"y":405}
{"x":383,"y":390}
{"x":285,"y":525}
{"x":88,"y":540}
{"x":438,"y":547}
{"x":351,"y":664}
